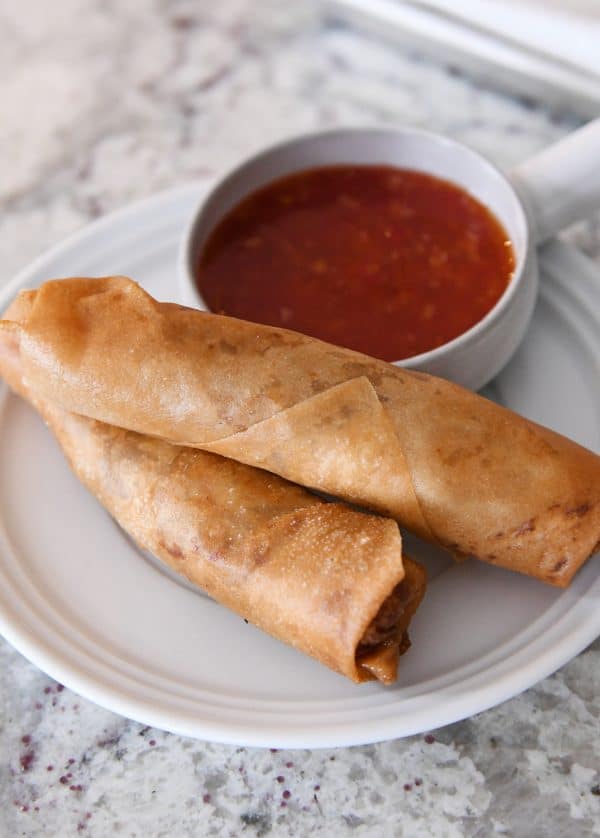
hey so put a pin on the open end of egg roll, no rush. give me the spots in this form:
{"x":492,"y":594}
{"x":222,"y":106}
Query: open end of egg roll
{"x":324,"y":578}
{"x":386,"y":636}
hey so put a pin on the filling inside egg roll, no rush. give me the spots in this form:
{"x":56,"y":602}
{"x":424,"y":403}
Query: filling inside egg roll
{"x":324,"y":578}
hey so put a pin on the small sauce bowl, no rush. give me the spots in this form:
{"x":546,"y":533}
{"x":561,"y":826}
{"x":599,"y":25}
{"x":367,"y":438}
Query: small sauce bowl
{"x":541,"y":196}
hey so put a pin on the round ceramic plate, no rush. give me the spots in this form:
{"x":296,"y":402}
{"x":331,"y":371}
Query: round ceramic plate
{"x":84,"y":605}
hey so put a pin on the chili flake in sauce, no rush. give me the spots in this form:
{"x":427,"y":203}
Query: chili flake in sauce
{"x":386,"y":261}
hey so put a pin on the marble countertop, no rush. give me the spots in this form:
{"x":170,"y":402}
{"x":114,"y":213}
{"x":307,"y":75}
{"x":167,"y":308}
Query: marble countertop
{"x":104,"y":103}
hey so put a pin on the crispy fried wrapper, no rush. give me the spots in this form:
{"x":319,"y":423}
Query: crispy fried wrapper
{"x":451,"y":466}
{"x":319,"y":576}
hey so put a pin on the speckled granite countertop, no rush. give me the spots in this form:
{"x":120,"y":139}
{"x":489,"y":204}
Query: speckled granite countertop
{"x":105,"y":102}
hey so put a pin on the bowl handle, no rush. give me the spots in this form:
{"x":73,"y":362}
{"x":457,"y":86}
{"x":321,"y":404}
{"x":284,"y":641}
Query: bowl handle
{"x":561,"y":184}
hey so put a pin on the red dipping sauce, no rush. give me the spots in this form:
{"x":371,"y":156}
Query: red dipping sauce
{"x":386,"y":261}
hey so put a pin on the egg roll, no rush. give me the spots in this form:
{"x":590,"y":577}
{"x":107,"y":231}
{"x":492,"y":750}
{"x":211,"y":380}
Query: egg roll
{"x":326,"y":579}
{"x":453,"y":467}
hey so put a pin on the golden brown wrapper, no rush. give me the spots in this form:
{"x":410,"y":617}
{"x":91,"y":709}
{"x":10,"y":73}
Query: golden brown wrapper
{"x":448,"y":464}
{"x":319,"y":576}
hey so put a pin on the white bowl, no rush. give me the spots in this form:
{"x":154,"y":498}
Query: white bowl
{"x":477,"y":355}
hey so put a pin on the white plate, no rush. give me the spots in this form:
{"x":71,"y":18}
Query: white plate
{"x":80,"y":602}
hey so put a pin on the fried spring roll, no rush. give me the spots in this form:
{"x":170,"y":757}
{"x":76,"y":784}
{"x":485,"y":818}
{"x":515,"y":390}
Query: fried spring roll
{"x":449,"y":465}
{"x":320,"y":576}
